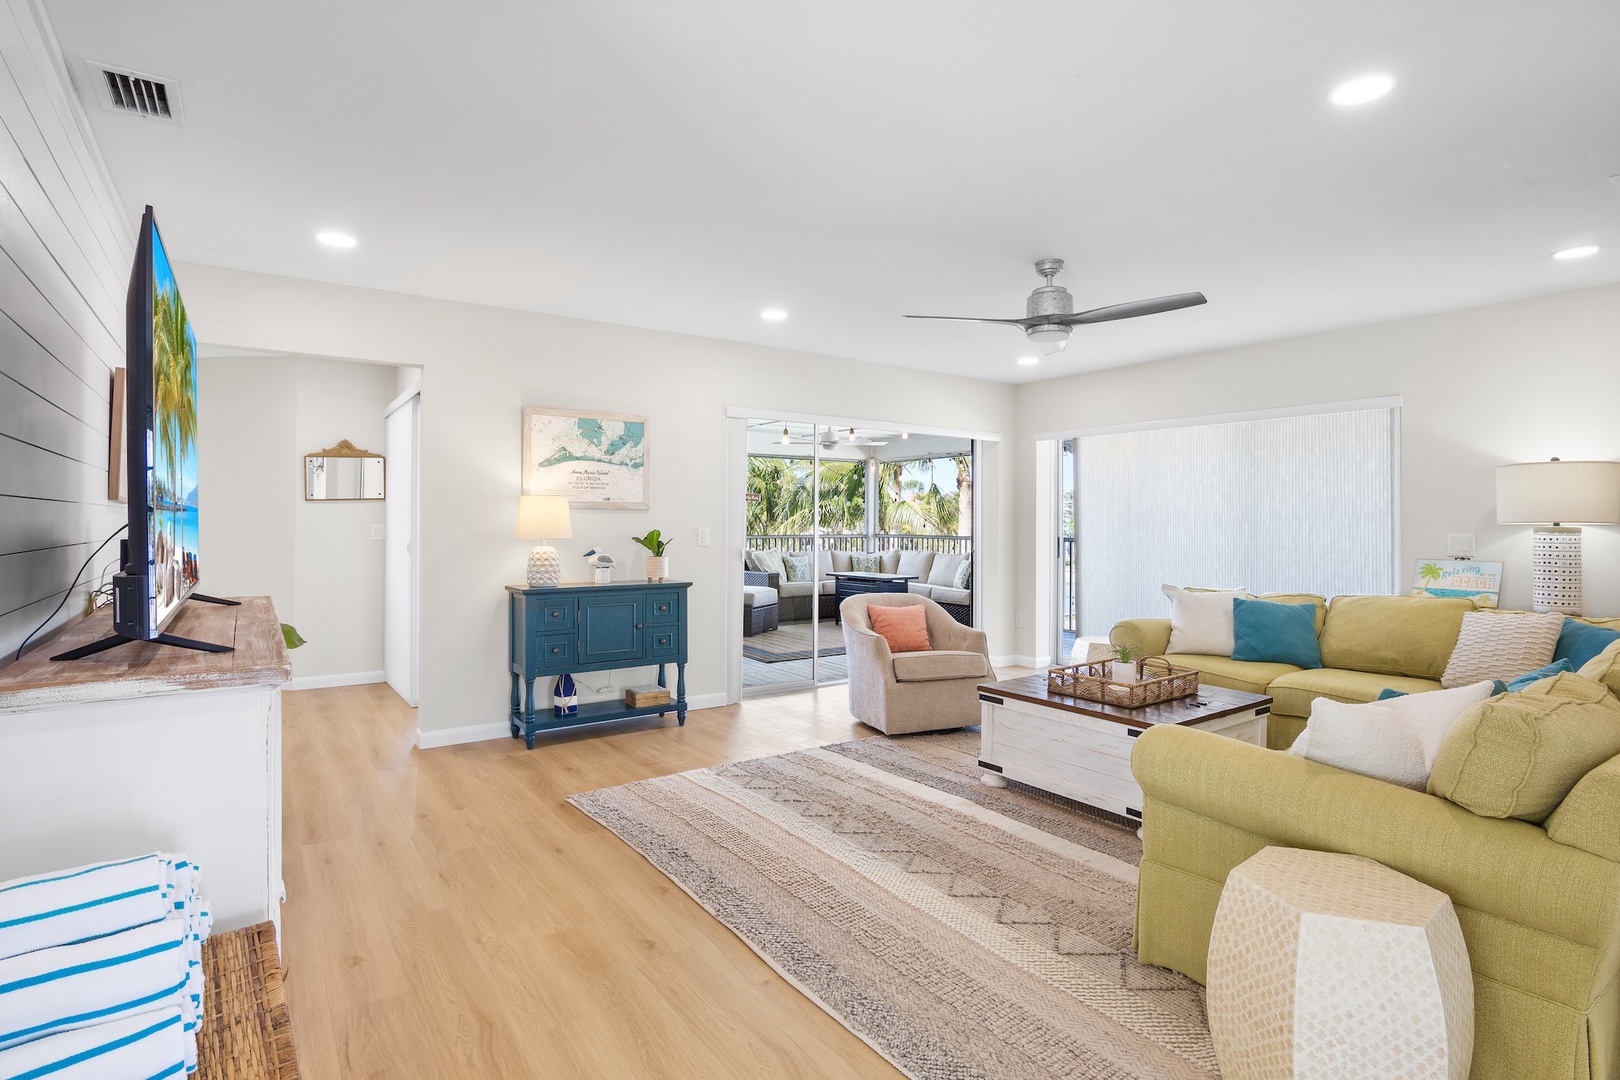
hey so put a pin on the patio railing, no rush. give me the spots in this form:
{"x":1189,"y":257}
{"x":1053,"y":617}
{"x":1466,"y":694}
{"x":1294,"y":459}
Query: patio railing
{"x":943,"y":545}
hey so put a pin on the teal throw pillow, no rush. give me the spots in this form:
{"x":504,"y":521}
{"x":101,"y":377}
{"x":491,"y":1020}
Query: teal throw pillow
{"x":1557,"y":667}
{"x":797,"y":566}
{"x":1388,"y":692}
{"x":964,"y":574}
{"x":1274,"y":633}
{"x":1579,"y":642}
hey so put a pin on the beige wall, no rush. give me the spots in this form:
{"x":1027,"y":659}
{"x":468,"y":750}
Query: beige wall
{"x":259,"y":416}
{"x":1518,"y":381}
{"x":482,"y":365}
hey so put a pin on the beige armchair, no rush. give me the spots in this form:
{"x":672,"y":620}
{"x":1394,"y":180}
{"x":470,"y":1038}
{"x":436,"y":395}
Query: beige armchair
{"x":899,"y":693}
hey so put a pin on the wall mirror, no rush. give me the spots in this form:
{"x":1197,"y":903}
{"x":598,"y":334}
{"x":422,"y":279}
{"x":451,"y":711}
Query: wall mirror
{"x":343,"y":472}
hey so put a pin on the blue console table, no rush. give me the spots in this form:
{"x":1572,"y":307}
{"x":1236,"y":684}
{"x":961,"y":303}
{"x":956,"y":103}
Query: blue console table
{"x":579,"y":627}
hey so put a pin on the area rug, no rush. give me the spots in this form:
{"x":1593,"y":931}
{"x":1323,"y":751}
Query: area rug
{"x":961,"y":931}
{"x":791,"y":641}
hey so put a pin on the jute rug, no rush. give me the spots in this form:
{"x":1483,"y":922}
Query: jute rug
{"x":791,"y":641}
{"x":961,"y":931}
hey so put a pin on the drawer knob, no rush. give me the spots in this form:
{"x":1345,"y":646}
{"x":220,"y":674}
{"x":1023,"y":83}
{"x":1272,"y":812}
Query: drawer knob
{"x":638,"y":626}
{"x":556,"y":614}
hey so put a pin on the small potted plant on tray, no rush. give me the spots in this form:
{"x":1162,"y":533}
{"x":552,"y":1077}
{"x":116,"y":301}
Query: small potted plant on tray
{"x":657,"y":562}
{"x":1123,"y":667}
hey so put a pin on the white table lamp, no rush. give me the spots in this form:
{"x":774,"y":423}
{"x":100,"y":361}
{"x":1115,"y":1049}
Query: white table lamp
{"x":1556,"y":496}
{"x":544,"y":517}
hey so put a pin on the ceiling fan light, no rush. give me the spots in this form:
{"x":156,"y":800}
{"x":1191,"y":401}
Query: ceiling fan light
{"x":1050,"y":339}
{"x":786,"y":439}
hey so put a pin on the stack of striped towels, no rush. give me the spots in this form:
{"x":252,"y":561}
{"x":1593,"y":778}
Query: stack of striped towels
{"x":101,"y":971}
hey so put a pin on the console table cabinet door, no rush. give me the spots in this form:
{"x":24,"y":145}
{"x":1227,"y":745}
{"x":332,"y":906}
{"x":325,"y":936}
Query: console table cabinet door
{"x":610,"y":628}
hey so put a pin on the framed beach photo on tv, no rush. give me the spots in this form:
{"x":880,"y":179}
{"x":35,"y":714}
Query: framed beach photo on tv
{"x":1478,"y":581}
{"x":596,"y":459}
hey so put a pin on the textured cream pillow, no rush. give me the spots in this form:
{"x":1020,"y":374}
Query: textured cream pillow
{"x":1201,"y":621}
{"x":1396,"y":740}
{"x":1501,"y":646}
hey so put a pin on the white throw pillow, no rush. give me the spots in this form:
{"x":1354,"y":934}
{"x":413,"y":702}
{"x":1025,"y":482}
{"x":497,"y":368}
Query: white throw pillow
{"x":1493,"y":645}
{"x":1201,"y":622}
{"x":1395,"y":740}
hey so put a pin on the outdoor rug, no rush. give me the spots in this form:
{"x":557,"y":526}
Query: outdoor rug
{"x":961,"y":931}
{"x":791,"y":641}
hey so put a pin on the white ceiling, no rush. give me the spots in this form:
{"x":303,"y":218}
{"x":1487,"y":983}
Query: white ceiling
{"x":683,"y":165}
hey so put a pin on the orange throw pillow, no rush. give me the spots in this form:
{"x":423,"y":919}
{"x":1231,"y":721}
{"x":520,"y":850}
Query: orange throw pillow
{"x":904,"y":628}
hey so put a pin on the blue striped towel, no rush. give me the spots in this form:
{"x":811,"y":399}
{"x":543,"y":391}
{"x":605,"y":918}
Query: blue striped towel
{"x":91,"y":901}
{"x":148,"y":1046}
{"x":73,"y":986}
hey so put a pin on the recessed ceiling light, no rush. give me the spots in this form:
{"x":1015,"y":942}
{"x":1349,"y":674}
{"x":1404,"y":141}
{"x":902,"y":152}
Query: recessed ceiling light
{"x":1028,"y":361}
{"x":336,"y":239}
{"x":773,"y":314}
{"x":1579,"y":252}
{"x":1362,"y":89}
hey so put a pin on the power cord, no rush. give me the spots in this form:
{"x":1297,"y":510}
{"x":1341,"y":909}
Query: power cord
{"x":70,"y":589}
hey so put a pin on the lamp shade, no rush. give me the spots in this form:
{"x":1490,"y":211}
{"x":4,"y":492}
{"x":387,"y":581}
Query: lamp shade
{"x":544,"y":517}
{"x":1558,"y":492}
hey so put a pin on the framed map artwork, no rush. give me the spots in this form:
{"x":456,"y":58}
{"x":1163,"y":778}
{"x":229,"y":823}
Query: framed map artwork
{"x":596,"y":459}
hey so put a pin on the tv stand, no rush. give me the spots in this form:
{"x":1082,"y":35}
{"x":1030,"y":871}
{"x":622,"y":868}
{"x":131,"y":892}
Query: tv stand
{"x":162,"y":639}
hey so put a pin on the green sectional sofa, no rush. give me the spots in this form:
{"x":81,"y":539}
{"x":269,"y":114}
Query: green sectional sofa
{"x":1369,"y":644}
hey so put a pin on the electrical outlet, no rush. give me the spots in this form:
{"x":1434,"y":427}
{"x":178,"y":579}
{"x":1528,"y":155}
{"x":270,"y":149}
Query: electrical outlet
{"x":703,"y":537}
{"x":379,"y":532}
{"x":1460,"y":545}
{"x":1018,"y":619}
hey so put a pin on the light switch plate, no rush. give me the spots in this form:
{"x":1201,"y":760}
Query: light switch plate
{"x":703,"y":537}
{"x":1460,"y":545}
{"x":379,"y":532}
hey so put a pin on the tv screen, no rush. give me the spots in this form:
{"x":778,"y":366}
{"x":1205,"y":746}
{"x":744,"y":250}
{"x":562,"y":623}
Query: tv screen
{"x":162,"y":430}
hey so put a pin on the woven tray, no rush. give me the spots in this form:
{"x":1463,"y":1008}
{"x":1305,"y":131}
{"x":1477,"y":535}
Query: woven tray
{"x":245,"y":1030}
{"x":1156,"y":681}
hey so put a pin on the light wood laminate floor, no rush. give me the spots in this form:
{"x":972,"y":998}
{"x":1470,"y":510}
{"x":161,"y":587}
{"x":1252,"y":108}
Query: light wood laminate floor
{"x":449,"y":915}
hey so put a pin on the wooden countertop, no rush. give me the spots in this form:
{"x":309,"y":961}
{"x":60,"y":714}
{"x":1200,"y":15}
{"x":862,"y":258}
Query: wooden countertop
{"x":141,"y":668}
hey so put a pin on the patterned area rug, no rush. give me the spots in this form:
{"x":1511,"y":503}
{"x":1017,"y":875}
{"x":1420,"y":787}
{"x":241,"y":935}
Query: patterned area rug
{"x":961,"y":931}
{"x":791,"y":641}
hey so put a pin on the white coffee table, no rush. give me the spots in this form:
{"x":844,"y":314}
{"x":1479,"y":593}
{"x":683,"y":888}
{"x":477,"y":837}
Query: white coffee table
{"x":1082,"y":749}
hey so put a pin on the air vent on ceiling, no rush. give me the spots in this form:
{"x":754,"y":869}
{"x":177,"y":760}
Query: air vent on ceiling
{"x":125,"y":91}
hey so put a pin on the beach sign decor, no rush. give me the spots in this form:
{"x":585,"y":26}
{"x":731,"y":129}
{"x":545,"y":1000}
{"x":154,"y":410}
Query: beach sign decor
{"x":1478,"y":581}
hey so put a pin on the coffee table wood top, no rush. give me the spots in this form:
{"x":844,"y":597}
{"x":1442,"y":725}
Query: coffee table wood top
{"x":1210,"y":703}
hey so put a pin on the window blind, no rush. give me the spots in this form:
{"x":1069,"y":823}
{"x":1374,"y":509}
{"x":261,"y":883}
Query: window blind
{"x":1281,"y":504}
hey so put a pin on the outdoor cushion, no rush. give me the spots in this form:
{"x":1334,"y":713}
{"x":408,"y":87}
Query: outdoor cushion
{"x":806,"y":588}
{"x":824,"y":562}
{"x":841,"y":563}
{"x":866,"y":562}
{"x":769,"y":562}
{"x":889,"y":561}
{"x":940,"y":594}
{"x":916,"y":563}
{"x":798,"y":565}
{"x":1245,"y":675}
{"x":1392,"y":635}
{"x":1501,"y":645}
{"x":758,"y":596}
{"x":1269,"y":632}
{"x":917,"y":588}
{"x":904,"y":628}
{"x":939,"y":664}
{"x":1520,"y":755}
{"x":1293,"y":693}
{"x":943,"y":572}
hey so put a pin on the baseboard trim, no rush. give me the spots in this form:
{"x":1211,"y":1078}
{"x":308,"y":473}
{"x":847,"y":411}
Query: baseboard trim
{"x":1021,"y":661}
{"x":432,"y":740}
{"x":322,"y":682}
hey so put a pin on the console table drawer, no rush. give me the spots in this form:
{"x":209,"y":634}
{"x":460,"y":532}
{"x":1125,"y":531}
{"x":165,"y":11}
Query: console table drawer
{"x":557,"y":615}
{"x":555,"y":652}
{"x":663,"y":642}
{"x":664,"y":607}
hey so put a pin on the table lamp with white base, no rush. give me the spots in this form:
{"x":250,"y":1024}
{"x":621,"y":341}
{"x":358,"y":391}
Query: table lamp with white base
{"x":544,"y":517}
{"x":1556,"y":496}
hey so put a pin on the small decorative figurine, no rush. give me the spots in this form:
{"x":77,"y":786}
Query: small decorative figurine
{"x":565,"y":697}
{"x":602,"y":565}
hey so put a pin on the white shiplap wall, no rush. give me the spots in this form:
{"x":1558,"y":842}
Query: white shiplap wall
{"x":65,"y":253}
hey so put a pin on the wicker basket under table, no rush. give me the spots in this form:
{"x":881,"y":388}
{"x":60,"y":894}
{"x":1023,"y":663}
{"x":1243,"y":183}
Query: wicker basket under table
{"x":245,"y":1031}
{"x":1156,"y":680}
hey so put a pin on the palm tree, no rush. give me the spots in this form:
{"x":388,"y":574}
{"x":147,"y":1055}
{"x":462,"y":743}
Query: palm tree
{"x":174,"y":371}
{"x":1430,"y":572}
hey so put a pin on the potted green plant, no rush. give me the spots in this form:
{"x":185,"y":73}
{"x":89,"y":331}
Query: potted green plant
{"x":1123,"y":667}
{"x":657,"y":562}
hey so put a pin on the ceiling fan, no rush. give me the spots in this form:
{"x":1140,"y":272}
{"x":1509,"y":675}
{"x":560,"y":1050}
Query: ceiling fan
{"x":1050,"y":315}
{"x":830,"y":438}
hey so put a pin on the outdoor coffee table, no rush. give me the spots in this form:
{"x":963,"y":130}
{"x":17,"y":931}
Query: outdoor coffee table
{"x":854,"y":583}
{"x":1082,"y":749}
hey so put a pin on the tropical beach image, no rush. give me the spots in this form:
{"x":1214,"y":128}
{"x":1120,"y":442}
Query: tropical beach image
{"x":172,"y":555}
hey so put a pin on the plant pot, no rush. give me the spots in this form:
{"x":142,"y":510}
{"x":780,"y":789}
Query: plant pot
{"x":657,"y":567}
{"x":1123,"y":671}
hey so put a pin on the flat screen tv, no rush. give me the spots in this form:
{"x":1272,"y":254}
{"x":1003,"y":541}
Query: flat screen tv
{"x":161,"y":562}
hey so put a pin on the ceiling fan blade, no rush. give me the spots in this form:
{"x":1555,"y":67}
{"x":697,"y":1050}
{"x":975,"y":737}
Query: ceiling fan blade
{"x":1024,"y":323}
{"x":1133,"y":309}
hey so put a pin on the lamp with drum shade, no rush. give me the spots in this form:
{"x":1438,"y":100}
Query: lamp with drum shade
{"x":1557,"y":497}
{"x":544,"y":517}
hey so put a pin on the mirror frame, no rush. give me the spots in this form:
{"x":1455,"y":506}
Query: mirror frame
{"x":345,"y":449}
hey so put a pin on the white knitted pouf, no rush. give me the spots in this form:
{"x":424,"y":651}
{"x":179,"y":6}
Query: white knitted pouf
{"x":1336,"y":967}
